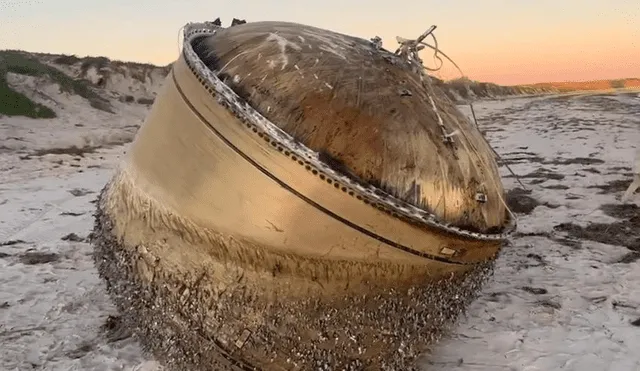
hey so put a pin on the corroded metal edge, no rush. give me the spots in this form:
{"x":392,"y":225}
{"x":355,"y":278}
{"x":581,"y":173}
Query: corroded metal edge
{"x":304,"y":156}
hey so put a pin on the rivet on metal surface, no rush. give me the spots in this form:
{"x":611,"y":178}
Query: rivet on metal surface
{"x":405,"y":93}
{"x":447,"y":251}
{"x":242,"y":339}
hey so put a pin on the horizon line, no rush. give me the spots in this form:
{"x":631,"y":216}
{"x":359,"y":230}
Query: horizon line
{"x":150,"y":63}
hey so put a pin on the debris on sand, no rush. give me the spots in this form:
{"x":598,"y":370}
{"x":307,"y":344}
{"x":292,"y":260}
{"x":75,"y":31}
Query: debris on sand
{"x":79,"y":192}
{"x":624,"y":232}
{"x":71,"y":151}
{"x":11,"y":242}
{"x":535,"y":290}
{"x":72,"y":237}
{"x":116,"y":329}
{"x":34,"y":258}
{"x":520,"y":202}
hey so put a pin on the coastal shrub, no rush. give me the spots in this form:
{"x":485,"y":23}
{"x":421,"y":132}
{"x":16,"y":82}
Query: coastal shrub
{"x":25,"y":64}
{"x":13,"y":103}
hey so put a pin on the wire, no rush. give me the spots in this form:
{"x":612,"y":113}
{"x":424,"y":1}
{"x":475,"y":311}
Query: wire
{"x":409,"y":49}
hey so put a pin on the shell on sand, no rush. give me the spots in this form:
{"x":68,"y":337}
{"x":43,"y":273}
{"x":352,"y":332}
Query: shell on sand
{"x":291,"y":203}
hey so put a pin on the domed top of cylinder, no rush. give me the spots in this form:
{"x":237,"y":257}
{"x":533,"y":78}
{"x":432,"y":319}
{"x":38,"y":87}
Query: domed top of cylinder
{"x":367,"y":112}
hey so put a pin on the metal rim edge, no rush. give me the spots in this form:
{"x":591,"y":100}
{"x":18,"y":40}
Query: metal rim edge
{"x":371,"y":195}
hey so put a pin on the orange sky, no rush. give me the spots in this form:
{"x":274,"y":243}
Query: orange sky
{"x":502,"y":41}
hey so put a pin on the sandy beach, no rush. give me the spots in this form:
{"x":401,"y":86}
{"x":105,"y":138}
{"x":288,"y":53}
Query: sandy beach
{"x":564,"y":295}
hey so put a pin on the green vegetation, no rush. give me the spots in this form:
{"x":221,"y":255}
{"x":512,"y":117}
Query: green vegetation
{"x":135,"y":70}
{"x":97,"y":62}
{"x":12,"y":103}
{"x":67,"y":60}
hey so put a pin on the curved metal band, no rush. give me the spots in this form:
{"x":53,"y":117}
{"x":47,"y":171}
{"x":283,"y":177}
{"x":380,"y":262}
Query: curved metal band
{"x":306,"y":199}
{"x":308,"y":158}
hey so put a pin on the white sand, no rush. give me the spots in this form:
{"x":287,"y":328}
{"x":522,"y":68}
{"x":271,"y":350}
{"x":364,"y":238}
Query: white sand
{"x":51,"y":313}
{"x":511,"y":329}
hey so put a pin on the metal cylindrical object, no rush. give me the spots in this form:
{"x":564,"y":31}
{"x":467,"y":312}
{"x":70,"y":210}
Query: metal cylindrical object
{"x":243,"y":231}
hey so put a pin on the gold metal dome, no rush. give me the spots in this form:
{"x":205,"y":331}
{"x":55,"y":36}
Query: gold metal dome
{"x":297,"y":199}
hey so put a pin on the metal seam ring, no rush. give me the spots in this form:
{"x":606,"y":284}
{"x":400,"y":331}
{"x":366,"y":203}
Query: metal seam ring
{"x":304,"y":156}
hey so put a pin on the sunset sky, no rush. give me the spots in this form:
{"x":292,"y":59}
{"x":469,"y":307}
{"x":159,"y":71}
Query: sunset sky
{"x":502,"y":41}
